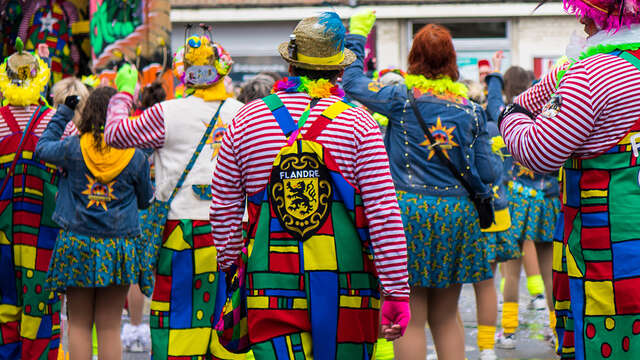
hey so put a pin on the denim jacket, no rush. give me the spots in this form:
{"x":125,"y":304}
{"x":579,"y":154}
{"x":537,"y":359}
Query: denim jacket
{"x":546,"y":184}
{"x":414,"y":167}
{"x":113,"y":212}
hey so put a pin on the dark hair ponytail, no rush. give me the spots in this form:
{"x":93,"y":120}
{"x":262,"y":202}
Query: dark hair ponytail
{"x":94,"y":113}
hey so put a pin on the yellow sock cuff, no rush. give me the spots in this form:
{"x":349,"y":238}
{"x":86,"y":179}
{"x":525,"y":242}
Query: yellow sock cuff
{"x":384,"y":350}
{"x":510,"y":317}
{"x":486,"y":337}
{"x":535,"y":285}
{"x":502,"y":285}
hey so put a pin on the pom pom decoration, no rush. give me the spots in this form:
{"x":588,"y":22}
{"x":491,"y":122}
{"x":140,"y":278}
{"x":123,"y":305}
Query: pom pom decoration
{"x":317,"y":89}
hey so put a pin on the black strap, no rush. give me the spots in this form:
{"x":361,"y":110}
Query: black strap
{"x":436,"y":147}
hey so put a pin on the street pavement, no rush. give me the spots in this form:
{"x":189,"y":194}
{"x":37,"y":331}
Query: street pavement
{"x":530,"y":334}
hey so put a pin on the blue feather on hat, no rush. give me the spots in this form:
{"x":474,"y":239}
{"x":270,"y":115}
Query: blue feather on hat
{"x":333,"y":24}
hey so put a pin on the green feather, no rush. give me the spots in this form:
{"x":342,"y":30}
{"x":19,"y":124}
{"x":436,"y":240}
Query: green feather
{"x":19,"y":45}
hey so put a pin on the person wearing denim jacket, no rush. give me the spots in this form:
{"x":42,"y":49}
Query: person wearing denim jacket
{"x":534,"y":205}
{"x":97,"y":254}
{"x":445,"y":244}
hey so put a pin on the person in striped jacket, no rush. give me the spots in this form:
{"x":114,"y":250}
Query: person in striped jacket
{"x":585,"y":117}
{"x":324,"y":231}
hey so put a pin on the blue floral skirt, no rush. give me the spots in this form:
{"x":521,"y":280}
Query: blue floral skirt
{"x":532,"y":217}
{"x":89,"y":262}
{"x":501,"y":247}
{"x":444,"y":243}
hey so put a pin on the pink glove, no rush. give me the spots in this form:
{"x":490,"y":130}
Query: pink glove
{"x":394,"y":313}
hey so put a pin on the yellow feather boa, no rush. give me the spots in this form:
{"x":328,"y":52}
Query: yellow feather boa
{"x":215,"y":92}
{"x":443,"y":86}
{"x":29,"y":93}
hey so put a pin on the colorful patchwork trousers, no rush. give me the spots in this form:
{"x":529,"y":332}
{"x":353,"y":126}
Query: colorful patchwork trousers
{"x":184,"y":296}
{"x":597,"y":265}
{"x":29,"y":315}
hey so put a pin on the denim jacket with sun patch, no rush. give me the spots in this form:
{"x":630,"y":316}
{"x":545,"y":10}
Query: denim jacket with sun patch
{"x":84,"y":205}
{"x":457,"y":123}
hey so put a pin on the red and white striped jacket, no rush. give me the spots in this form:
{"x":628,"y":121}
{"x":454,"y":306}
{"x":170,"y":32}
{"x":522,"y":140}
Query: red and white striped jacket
{"x":245,"y":160}
{"x":22,"y":114}
{"x":600,"y":101}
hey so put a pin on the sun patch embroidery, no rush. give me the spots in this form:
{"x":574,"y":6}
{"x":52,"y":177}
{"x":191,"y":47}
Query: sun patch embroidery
{"x":215,"y":140}
{"x":99,"y":194}
{"x":443,"y":137}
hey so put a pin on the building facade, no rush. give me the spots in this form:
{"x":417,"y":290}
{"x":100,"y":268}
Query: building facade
{"x":252,"y":29}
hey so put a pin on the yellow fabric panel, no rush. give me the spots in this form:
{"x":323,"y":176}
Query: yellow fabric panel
{"x":219,"y":352}
{"x":24,"y":256}
{"x":599,"y":298}
{"x":593,"y":193}
{"x":160,"y":306}
{"x":557,"y":256}
{"x":186,"y":342}
{"x":350,"y":301}
{"x":320,"y":253}
{"x":176,"y":240}
{"x":284,"y":249}
{"x":29,"y":326}
{"x":336,"y":109}
{"x":205,"y":260}
{"x":258,"y":302}
{"x":9,"y":313}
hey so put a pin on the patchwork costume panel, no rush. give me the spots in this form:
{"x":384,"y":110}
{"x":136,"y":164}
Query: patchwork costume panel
{"x":29,"y":315}
{"x":311,"y":285}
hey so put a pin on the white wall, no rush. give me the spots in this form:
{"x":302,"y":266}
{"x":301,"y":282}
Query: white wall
{"x":541,"y":37}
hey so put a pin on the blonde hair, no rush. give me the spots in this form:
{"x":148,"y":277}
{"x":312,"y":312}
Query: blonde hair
{"x":70,"y":86}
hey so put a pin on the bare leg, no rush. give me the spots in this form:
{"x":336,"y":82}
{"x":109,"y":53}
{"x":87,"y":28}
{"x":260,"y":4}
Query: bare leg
{"x":545,"y":259}
{"x":445,"y":327}
{"x":486,"y":300}
{"x":413,"y":345}
{"x":136,"y":303}
{"x":80,"y":307}
{"x":108,"y":313}
{"x":530,"y":259}
{"x":511,"y":279}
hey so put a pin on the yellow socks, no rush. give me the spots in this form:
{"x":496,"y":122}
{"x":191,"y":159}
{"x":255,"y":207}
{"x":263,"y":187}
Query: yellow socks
{"x":509,"y":317}
{"x":486,"y":337}
{"x":384,"y":350}
{"x":535,"y":285}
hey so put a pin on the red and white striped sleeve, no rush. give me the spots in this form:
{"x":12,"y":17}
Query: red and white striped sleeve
{"x":545,"y":143}
{"x":381,"y":209}
{"x":539,"y":94}
{"x":120,"y":131}
{"x":228,"y":202}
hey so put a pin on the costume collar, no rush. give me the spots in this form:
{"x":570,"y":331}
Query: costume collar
{"x":443,"y":87}
{"x":603,"y":42}
{"x":317,"y":89}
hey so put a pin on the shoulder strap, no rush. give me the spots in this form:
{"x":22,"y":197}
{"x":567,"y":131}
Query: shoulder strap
{"x":281,"y":113}
{"x":436,"y":147}
{"x":10,"y":119}
{"x":18,"y":153}
{"x":42,"y":113}
{"x":630,"y":56}
{"x":321,"y":122}
{"x":194,"y":157}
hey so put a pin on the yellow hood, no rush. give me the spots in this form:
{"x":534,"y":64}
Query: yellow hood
{"x":107,"y":164}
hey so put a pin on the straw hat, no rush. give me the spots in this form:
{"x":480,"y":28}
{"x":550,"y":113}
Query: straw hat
{"x":319,"y":44}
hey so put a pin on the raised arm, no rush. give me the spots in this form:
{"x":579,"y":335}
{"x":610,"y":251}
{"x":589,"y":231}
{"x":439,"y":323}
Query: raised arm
{"x":50,"y":148}
{"x":120,"y":131}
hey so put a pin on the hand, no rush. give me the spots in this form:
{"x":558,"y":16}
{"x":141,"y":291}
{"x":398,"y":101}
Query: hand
{"x":512,"y":109}
{"x":496,"y":60}
{"x":72,"y":101}
{"x":127,"y":78}
{"x":395,"y":318}
{"x":362,"y":22}
{"x":42,"y":51}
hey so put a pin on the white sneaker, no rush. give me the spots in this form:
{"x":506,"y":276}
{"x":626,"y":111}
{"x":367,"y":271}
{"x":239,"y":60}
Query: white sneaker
{"x":135,"y":338}
{"x":488,"y":354}
{"x":537,"y":303}
{"x":506,"y":342}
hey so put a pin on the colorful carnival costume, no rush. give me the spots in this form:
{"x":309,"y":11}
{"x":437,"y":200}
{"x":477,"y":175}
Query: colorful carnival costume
{"x":325,"y":231}
{"x":29,"y":315}
{"x":585,"y":119}
{"x":446,"y":245}
{"x":186,"y":282}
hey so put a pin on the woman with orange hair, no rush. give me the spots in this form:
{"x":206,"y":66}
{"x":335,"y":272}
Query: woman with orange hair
{"x":445,"y":245}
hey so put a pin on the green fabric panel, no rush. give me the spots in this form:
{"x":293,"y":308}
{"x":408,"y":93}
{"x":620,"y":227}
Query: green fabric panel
{"x":202,"y":229}
{"x":624,"y":197}
{"x":594,"y":201}
{"x":363,"y":281}
{"x":597,"y":255}
{"x":608,"y":161}
{"x":259,"y":260}
{"x":37,"y":172}
{"x":284,"y":242}
{"x":6,"y":220}
{"x":623,"y":325}
{"x":160,"y":342}
{"x":358,"y":200}
{"x":348,"y":244}
{"x":276,"y":281}
{"x":25,"y":229}
{"x":187,"y":231}
{"x":203,"y":300}
{"x":630,"y":58}
{"x":575,"y":245}
{"x":49,"y":205}
{"x":164,"y":261}
{"x":273,"y":102}
{"x":264,"y":351}
{"x":350,"y":351}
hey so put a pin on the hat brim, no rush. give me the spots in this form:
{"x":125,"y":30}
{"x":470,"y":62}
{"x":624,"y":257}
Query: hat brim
{"x":349,"y":58}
